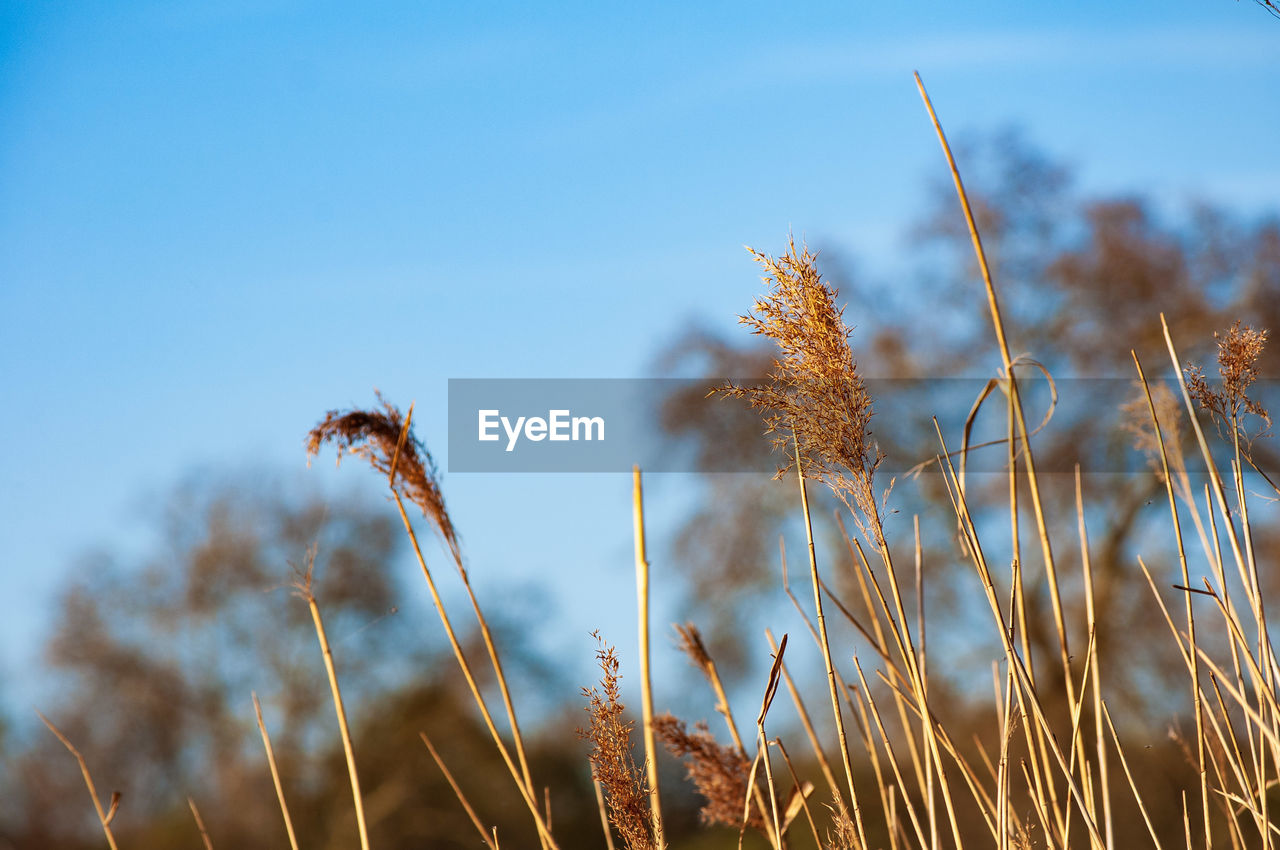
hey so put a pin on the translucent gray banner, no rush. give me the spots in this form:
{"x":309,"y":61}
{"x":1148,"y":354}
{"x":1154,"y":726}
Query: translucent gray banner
{"x":684,"y":425}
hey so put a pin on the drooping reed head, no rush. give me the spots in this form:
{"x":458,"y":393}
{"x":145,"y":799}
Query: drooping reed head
{"x":720,"y":773}
{"x":814,"y":402}
{"x":379,"y":437}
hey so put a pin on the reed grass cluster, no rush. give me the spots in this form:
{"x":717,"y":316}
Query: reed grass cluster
{"x":612,"y":762}
{"x":876,"y":761}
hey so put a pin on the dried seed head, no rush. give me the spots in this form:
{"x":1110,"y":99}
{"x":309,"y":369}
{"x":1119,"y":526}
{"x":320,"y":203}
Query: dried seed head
{"x":612,"y":764}
{"x":379,"y":437}
{"x":815,"y":403}
{"x":719,"y":772}
{"x":1137,"y":421}
{"x":1238,"y":351}
{"x":846,"y":835}
{"x":691,"y":644}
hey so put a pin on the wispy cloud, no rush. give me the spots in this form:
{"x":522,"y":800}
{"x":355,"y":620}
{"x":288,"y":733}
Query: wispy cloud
{"x":851,"y":60}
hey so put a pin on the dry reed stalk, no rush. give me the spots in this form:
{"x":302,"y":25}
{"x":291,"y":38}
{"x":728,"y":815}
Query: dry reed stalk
{"x":525,"y":792}
{"x":385,"y":440}
{"x":1024,"y":685}
{"x":1194,"y":668}
{"x":646,"y":682}
{"x":517,"y":739}
{"x":1215,"y":478}
{"x":986,"y":806}
{"x":807,"y":724}
{"x":863,"y":718}
{"x":746,"y":799}
{"x":1266,"y":730}
{"x":799,"y":797}
{"x":1095,"y":674}
{"x":486,"y":635}
{"x":920,"y":627}
{"x":1216,"y":563}
{"x":1124,"y":763}
{"x":275,"y":773}
{"x":1217,"y":756}
{"x":1219,"y":571}
{"x":816,"y":397}
{"x":692,"y":645}
{"x":897,"y":618}
{"x":1046,"y":821}
{"x":204,"y":833}
{"x":1238,"y":352}
{"x":1172,"y":462}
{"x":1004,"y":703}
{"x":860,"y":570}
{"x":440,"y":516}
{"x":863,"y":572}
{"x":1186,"y":820}
{"x":1076,"y":752}
{"x":104,"y":816}
{"x":604,"y":815}
{"x":1252,"y":680}
{"x":1234,"y":758}
{"x":457,"y":791}
{"x":1015,"y":399}
{"x":917,"y":700}
{"x":302,"y":588}
{"x":762,"y":741}
{"x":923,"y":667}
{"x":826,"y":656}
{"x":893,"y":759}
{"x":1015,"y":404}
{"x":1236,"y":631}
{"x":857,"y":711}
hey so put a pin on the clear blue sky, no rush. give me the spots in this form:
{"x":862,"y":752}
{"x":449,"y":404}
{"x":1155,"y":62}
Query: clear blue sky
{"x":217,"y":220}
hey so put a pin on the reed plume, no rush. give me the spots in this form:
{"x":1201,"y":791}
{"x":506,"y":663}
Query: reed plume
{"x":612,"y":764}
{"x":815,"y":404}
{"x":1239,"y":349}
{"x":719,"y":772}
{"x":379,"y":436}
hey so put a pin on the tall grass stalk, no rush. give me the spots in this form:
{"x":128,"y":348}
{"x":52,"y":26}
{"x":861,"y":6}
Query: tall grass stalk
{"x":646,"y":681}
{"x":997,"y":322}
{"x":820,"y":615}
{"x":486,"y":634}
{"x":105,"y":816}
{"x":526,"y":792}
{"x":1193,"y":661}
{"x":275,"y":773}
{"x":384,"y":439}
{"x":204,"y":833}
{"x":303,"y":589}
{"x":457,"y":791}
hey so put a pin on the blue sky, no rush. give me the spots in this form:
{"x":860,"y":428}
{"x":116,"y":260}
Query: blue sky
{"x":219,"y":220}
